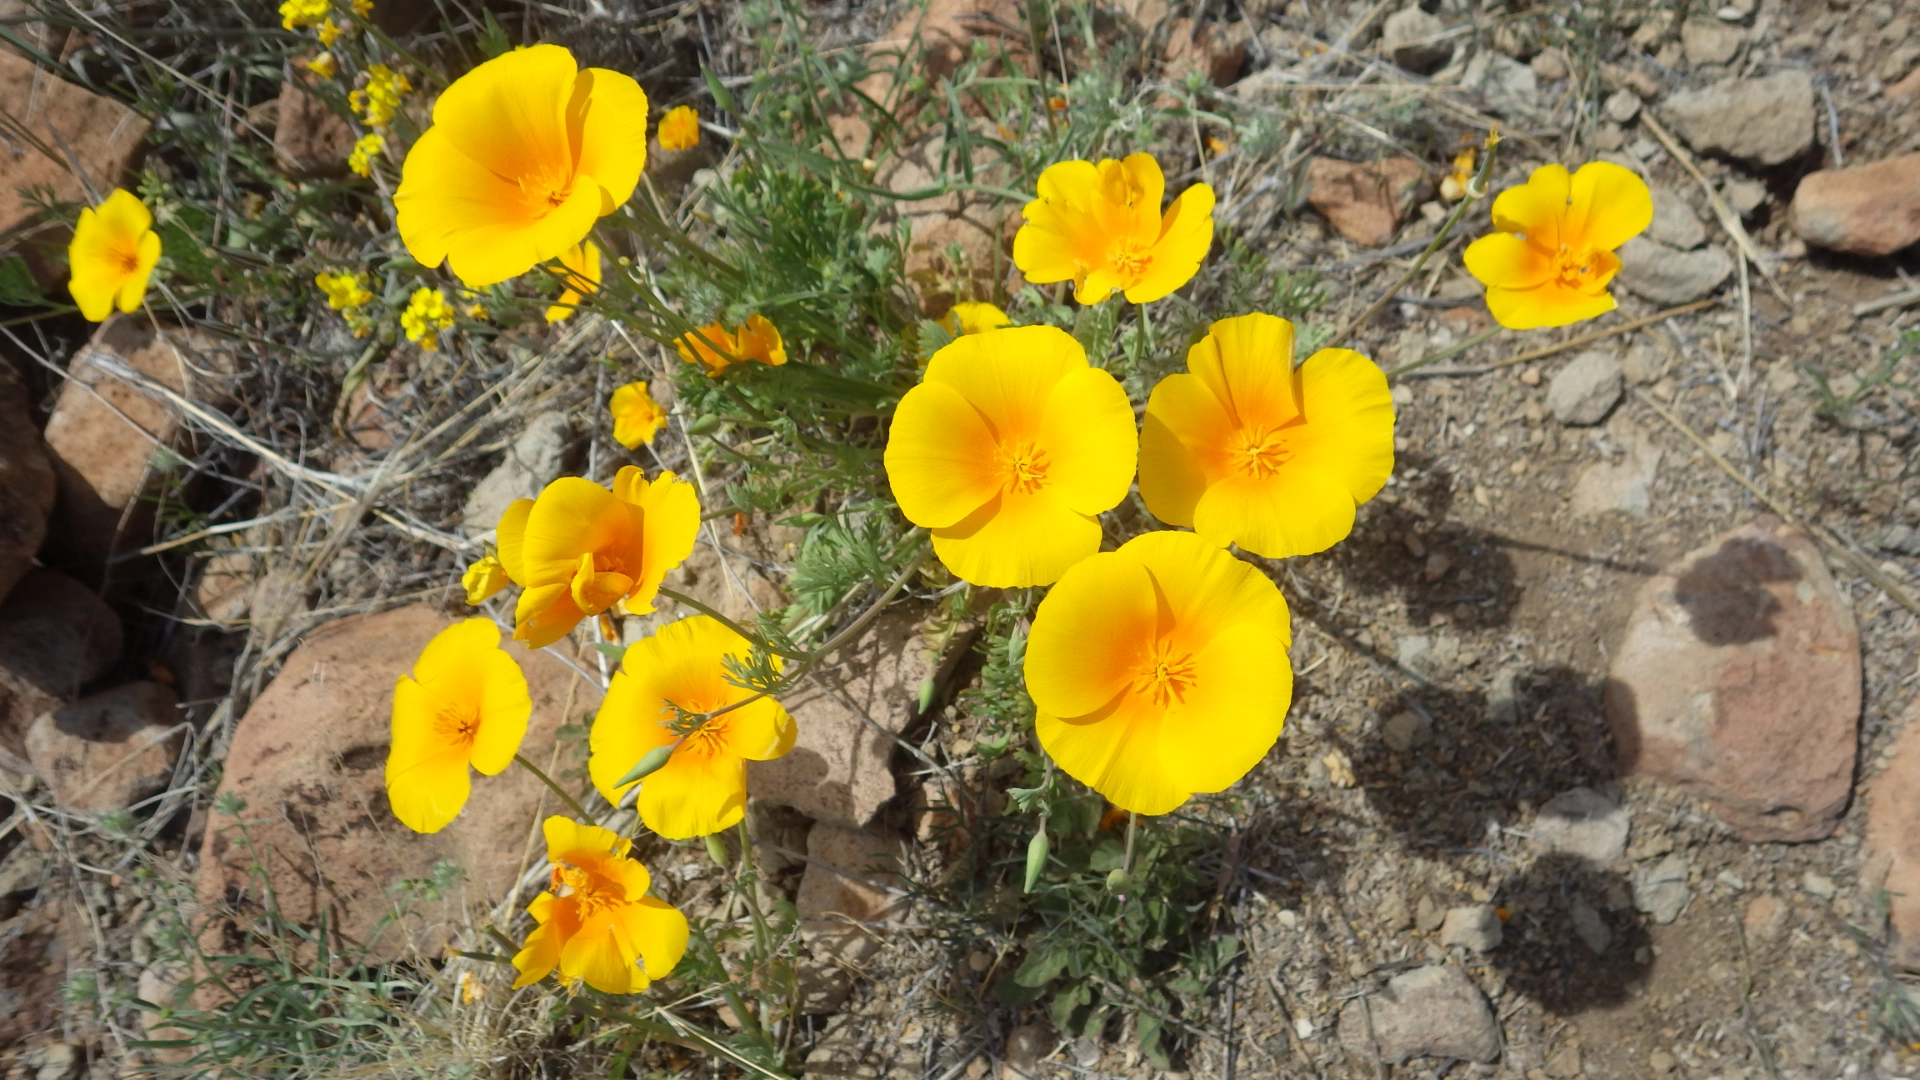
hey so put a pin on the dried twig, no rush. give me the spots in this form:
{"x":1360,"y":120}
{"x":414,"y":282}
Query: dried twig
{"x":1729,"y":220}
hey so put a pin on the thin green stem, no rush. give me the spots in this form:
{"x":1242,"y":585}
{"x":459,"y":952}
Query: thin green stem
{"x":572,"y":803}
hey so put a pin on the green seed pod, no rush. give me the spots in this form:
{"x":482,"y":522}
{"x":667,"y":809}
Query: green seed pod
{"x":717,"y":851}
{"x":926,"y":695}
{"x":647,"y":765}
{"x":703,"y":424}
{"x":1036,"y":857}
{"x":1119,"y":881}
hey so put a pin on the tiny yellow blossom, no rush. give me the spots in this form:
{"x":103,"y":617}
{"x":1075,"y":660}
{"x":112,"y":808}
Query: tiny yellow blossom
{"x":295,"y":14}
{"x":1453,"y":187}
{"x":380,"y":99}
{"x":112,"y":256}
{"x":483,"y":579}
{"x":680,"y":128}
{"x":582,"y":264}
{"x":363,"y":8}
{"x":344,"y":290}
{"x":364,"y":148}
{"x":328,"y":33}
{"x":427,"y":314}
{"x":969,"y":317}
{"x":322,"y":65}
{"x":636,"y":416}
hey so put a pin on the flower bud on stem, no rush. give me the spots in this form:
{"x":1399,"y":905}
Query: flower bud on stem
{"x":1036,"y":856}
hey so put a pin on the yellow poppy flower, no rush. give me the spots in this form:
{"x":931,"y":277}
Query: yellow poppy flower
{"x":702,"y":788}
{"x":112,"y":256}
{"x":465,"y":704}
{"x":525,"y":153}
{"x":427,"y":314}
{"x":680,"y":128}
{"x":1160,"y":670}
{"x":1100,"y":227}
{"x":483,"y":578}
{"x":1008,"y":450}
{"x":971,"y":317}
{"x":1552,"y":258}
{"x":636,"y":416}
{"x":596,"y":922}
{"x":1249,"y":450}
{"x":582,"y":264}
{"x":579,"y":548}
{"x":758,"y":340}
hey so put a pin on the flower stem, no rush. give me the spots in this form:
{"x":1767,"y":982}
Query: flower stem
{"x":572,"y":803}
{"x":1476,"y":190}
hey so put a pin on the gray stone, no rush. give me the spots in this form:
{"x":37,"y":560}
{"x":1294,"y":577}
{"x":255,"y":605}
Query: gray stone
{"x":1622,"y":106}
{"x":1662,"y":890}
{"x":1745,"y":196}
{"x":1583,"y":822}
{"x":1585,"y":391}
{"x":1428,"y":916}
{"x":1503,"y":696}
{"x":1625,"y":484}
{"x":1506,"y":85}
{"x":1404,"y":731}
{"x":1433,"y":1011}
{"x":1767,"y":121}
{"x":1674,"y":222}
{"x":532,"y":462}
{"x":1433,"y":654}
{"x":1899,"y":539}
{"x":1818,"y":884}
{"x":1403,"y":36}
{"x":1589,"y":927}
{"x":1711,"y":42}
{"x":1476,"y":927}
{"x":1658,"y":273}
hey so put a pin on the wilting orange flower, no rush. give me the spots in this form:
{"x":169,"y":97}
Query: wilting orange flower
{"x":484,"y":577}
{"x":1250,"y":450}
{"x":713,"y":346}
{"x":1160,"y":670}
{"x":1008,"y":450}
{"x":702,"y":788}
{"x":1453,"y":186}
{"x":636,"y":416}
{"x":465,"y":704}
{"x":112,"y":255}
{"x":525,"y":153}
{"x":597,"y":923}
{"x":1552,"y":258}
{"x":580,"y":548}
{"x":582,"y":264}
{"x":680,"y":128}
{"x":1100,"y":227}
{"x":972,"y":317}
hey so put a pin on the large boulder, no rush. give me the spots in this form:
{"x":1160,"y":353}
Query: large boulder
{"x":1869,"y":210}
{"x":308,"y":759}
{"x":102,"y":135}
{"x":1766,"y":122}
{"x":110,"y":750}
{"x":1739,"y":680}
{"x":26,"y":482}
{"x":1892,"y":867}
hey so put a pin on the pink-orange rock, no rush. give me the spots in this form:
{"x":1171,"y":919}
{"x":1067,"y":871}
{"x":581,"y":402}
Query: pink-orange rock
{"x":56,"y":636}
{"x":26,"y":482}
{"x":1364,"y":200}
{"x":1739,"y":680}
{"x":1215,"y":51}
{"x":947,"y":31}
{"x":102,"y":135}
{"x":309,"y":138}
{"x":1892,"y":864}
{"x":309,"y":760}
{"x":960,"y":244}
{"x":109,"y":750}
{"x":1867,"y":210}
{"x":1905,"y":88}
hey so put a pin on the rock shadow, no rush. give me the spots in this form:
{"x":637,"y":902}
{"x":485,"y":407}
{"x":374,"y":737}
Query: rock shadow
{"x":1573,"y":940}
{"x":1725,"y":594}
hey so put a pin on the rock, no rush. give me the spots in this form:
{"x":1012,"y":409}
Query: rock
{"x":1503,"y":696}
{"x":1476,"y":927}
{"x":1674,"y":222}
{"x":1622,"y":106}
{"x":1819,"y":885}
{"x":1026,"y":1045}
{"x":1404,"y":731}
{"x":1662,"y":891}
{"x":1428,"y":916}
{"x":1550,"y":65}
{"x":1564,"y":1062}
{"x":532,"y":462}
{"x":1365,"y":201}
{"x":1891,"y":864}
{"x":308,"y":759}
{"x":1765,"y":918}
{"x":1433,"y":1011}
{"x":846,"y":882}
{"x":1626,"y":484}
{"x":1905,"y":88}
{"x":26,"y":482}
{"x":959,"y":244}
{"x":1216,"y":52}
{"x":1766,"y":121}
{"x":1393,"y":912}
{"x":1868,"y":210}
{"x":103,"y":136}
{"x":309,"y":138}
{"x":837,"y":771}
{"x":1583,"y":822}
{"x":103,"y":434}
{"x":56,"y":636}
{"x":1658,"y":273}
{"x":1899,"y":539}
{"x":1404,"y":37}
{"x":1586,"y":390}
{"x":1589,"y":927}
{"x":1739,"y":680}
{"x":1711,"y":42}
{"x":110,"y":750}
{"x":1506,"y":86}
{"x":1745,"y":196}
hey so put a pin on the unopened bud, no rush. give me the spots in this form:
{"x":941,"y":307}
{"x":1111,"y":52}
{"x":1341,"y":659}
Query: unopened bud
{"x":647,"y":765}
{"x":717,"y":851}
{"x":1036,"y":857}
{"x":1119,"y":881}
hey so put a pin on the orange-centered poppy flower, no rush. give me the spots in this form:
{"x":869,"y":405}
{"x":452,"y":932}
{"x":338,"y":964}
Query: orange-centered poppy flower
{"x":112,"y":255}
{"x":466,"y":703}
{"x":1100,"y":227}
{"x":1250,"y":450}
{"x":1008,"y":450}
{"x":597,"y":923}
{"x":717,"y":349}
{"x":636,"y":416}
{"x":1160,"y":670}
{"x":582,"y":265}
{"x":579,"y":548}
{"x":1552,"y":258}
{"x":702,"y":788}
{"x":974,"y":317}
{"x":525,"y":153}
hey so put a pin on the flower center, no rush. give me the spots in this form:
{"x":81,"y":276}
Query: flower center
{"x":126,"y":259}
{"x":546,"y":189}
{"x":591,"y":891}
{"x":1575,"y":267}
{"x":1259,"y":454}
{"x":1165,"y":677}
{"x":1130,"y":261}
{"x":1022,"y":467}
{"x":458,"y":724}
{"x":600,"y":579}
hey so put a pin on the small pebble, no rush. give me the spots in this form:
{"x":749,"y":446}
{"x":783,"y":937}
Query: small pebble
{"x":1819,"y":885}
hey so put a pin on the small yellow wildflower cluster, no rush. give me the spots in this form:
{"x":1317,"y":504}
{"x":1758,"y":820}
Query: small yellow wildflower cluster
{"x":381,"y":97}
{"x":347,"y":294}
{"x":323,"y":65}
{"x":328,"y":33}
{"x":295,"y":14}
{"x":364,"y":149}
{"x":427,"y":314}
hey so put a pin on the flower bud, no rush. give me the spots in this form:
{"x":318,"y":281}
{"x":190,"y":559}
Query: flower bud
{"x":1036,"y":857}
{"x":1119,"y":881}
{"x":651,"y":763}
{"x":717,"y":851}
